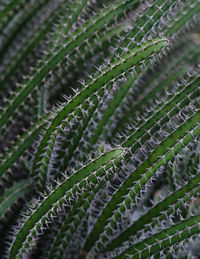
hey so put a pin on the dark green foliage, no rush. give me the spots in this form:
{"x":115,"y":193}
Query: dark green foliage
{"x":99,"y":129}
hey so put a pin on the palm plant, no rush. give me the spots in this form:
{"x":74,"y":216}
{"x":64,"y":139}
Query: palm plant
{"x":99,"y":129}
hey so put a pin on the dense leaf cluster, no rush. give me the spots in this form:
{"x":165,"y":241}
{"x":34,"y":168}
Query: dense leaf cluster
{"x":99,"y":129}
